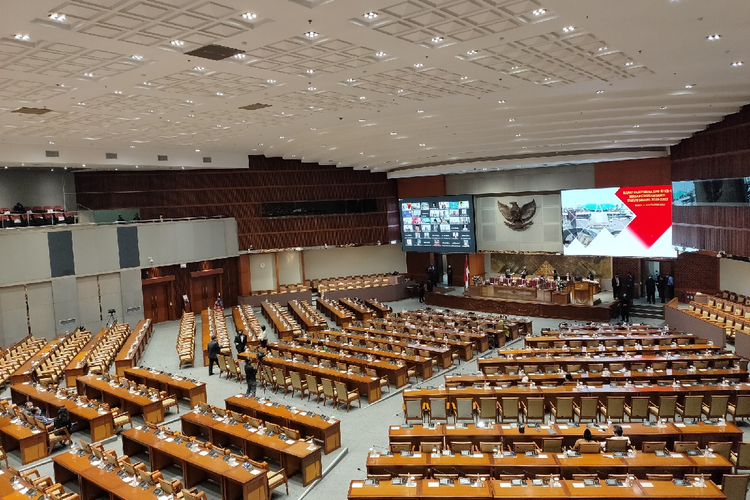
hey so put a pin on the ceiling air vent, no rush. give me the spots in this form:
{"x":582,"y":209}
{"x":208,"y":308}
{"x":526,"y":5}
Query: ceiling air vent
{"x":206,"y":159}
{"x":253,"y":107}
{"x":31,"y":111}
{"x":214,"y":52}
{"x":111,"y":156}
{"x":161,"y":157}
{"x":53,"y":154}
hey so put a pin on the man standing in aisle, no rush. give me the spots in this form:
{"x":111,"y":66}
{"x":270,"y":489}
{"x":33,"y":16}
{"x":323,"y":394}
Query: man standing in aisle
{"x":650,"y":290}
{"x":670,"y":286}
{"x":615,"y":286}
{"x":240,"y":341}
{"x":251,"y":375}
{"x":213,"y":355}
{"x":449,"y":270}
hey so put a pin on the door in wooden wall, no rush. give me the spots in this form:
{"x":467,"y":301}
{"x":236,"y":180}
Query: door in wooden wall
{"x":204,"y":291}
{"x":156,"y":302}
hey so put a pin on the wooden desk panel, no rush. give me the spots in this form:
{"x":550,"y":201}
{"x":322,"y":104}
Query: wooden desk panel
{"x":192,"y":390}
{"x":96,"y":388}
{"x":133,"y":348}
{"x":8,"y":492}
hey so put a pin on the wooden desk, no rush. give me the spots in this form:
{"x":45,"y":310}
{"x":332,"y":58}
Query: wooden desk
{"x":284,"y":331}
{"x":381,"y":310}
{"x":396,"y":373}
{"x":293,"y":455}
{"x":78,"y":366}
{"x":462,"y":347}
{"x":92,"y":481}
{"x":8,"y":492}
{"x":101,"y":425}
{"x":96,"y":388}
{"x":646,"y":351}
{"x":341,"y":318}
{"x":548,"y":340}
{"x":23,"y":373}
{"x":367,"y":386}
{"x":302,"y":316}
{"x":361,"y":313}
{"x":236,"y":482}
{"x":327,"y":431}
{"x":32,"y":442}
{"x":192,"y":390}
{"x":133,"y":348}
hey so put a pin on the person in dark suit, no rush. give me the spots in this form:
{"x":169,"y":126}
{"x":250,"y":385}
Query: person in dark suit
{"x":213,"y":355}
{"x":251,"y":375}
{"x":650,"y":290}
{"x":661,"y":284}
{"x":554,"y":274}
{"x":625,"y":307}
{"x":422,"y":287}
{"x":507,"y":273}
{"x":524,"y":273}
{"x":615,"y":286}
{"x":630,"y":285}
{"x":240,"y":341}
{"x":670,"y":286}
{"x":449,"y":270}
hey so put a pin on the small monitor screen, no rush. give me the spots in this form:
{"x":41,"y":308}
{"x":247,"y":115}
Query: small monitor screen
{"x":443,"y":225}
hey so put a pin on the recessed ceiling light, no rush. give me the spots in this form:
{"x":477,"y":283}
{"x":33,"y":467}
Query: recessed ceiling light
{"x":361,"y":119}
{"x":399,"y":91}
{"x":90,"y":75}
{"x":118,"y":92}
{"x":57,"y":17}
{"x":350,"y":80}
{"x":25,"y":38}
{"x":137,"y":57}
{"x":311,"y":34}
{"x":737,"y":63}
{"x":636,"y":126}
{"x":313,"y":128}
{"x":464,"y":78}
{"x":361,"y":153}
{"x":51,"y":142}
{"x":250,"y":15}
{"x":629,"y":63}
{"x":518,"y":135}
{"x":393,"y":133}
{"x":539,"y":12}
{"x":501,"y":101}
{"x":177,"y":43}
{"x":66,"y":168}
{"x":568,"y":29}
{"x":418,"y":65}
{"x":472,"y":52}
{"x":260,"y":144}
{"x":270,"y":81}
{"x":380,"y":54}
{"x":81,"y":103}
{"x":437,"y":39}
{"x":199,"y":68}
{"x":83,"y":165}
{"x":511,"y":119}
{"x":599,"y":91}
{"x":602,"y":48}
{"x":361,"y":97}
{"x":310,"y":71}
{"x":370,"y":15}
{"x":420,"y":111}
{"x":662,"y":107}
{"x":189,"y":101}
{"x":240,"y":56}
{"x":136,"y":166}
{"x":197,"y":150}
{"x":147,"y":84}
{"x":132,"y":147}
{"x":422,"y":144}
{"x":688,"y":86}
{"x":713,"y":37}
{"x":191,"y":116}
{"x":281,"y":137}
{"x":311,"y":88}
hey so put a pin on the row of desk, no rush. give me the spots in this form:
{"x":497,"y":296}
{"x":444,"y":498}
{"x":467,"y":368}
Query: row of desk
{"x":134,"y":346}
{"x":341,"y":316}
{"x":94,"y":387}
{"x":285,"y":327}
{"x":194,"y":391}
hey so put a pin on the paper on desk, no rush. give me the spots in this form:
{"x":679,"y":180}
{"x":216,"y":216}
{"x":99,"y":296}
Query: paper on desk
{"x":433,"y":484}
{"x":560,"y":456}
{"x":541,"y":456}
{"x":679,"y":425}
{"x":676,"y":455}
{"x":563,"y":427}
{"x":169,"y":440}
{"x":290,"y":441}
{"x":203,"y":453}
{"x":504,"y":485}
{"x":578,"y":485}
{"x":647,"y":485}
{"x":506,"y":426}
{"x":450,"y":427}
{"x":626,"y":426}
{"x":357,"y":485}
{"x":478,"y":455}
{"x":417,"y":455}
{"x":255,"y":472}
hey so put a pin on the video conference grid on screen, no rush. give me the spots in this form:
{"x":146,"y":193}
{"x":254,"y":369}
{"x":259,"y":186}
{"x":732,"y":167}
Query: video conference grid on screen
{"x":444,"y":224}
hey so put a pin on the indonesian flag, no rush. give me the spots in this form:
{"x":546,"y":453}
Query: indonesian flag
{"x":466,"y":273}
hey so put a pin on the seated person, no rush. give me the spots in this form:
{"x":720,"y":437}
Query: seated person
{"x":587,"y":438}
{"x":617,"y":434}
{"x":524,"y":273}
{"x":507,"y":273}
{"x":40,"y":416}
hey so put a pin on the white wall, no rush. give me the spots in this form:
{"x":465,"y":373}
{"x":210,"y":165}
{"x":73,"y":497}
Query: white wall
{"x":290,"y":268}
{"x":335,"y":262}
{"x":522,"y":180}
{"x":263,"y":271}
{"x":733,"y":276}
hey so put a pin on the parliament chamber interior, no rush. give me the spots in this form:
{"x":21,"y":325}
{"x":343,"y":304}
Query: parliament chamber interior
{"x":374,"y":249}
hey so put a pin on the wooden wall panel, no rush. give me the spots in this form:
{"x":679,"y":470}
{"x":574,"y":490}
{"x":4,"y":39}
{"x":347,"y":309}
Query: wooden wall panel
{"x":645,"y":172}
{"x":240,"y":194}
{"x":421,"y":187}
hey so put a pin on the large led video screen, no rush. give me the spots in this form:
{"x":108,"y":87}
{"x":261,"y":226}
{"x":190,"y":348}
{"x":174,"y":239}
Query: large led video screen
{"x":618,"y":222}
{"x":444,"y":224}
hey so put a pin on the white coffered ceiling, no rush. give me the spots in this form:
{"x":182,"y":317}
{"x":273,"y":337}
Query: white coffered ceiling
{"x":423,"y":87}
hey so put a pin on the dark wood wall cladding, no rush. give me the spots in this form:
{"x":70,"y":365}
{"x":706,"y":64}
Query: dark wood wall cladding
{"x":421,"y":187}
{"x":720,"y":151}
{"x":240,"y":194}
{"x":230,"y":280}
{"x":642,"y":172}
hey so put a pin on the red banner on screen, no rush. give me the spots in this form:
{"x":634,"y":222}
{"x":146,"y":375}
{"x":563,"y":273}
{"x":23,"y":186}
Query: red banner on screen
{"x":652,"y":206}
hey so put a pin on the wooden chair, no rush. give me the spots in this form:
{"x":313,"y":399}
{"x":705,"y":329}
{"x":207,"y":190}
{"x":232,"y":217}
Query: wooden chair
{"x":192,"y":494}
{"x":121,"y":418}
{"x":345,"y":396}
{"x":614,"y":409}
{"x":4,"y":456}
{"x":685,"y":446}
{"x":723,"y":449}
{"x":509,"y":409}
{"x":563,"y":410}
{"x":298,"y":384}
{"x":666,"y":409}
{"x":222,"y":366}
{"x":523,"y":447}
{"x":282,"y":380}
{"x":384,"y":382}
{"x":552,"y":445}
{"x":613,"y":445}
{"x":692,"y":409}
{"x":234,"y":369}
{"x":659,"y":477}
{"x":741,"y":459}
{"x":717,"y":406}
{"x":638,"y":409}
{"x":583,"y":477}
{"x":329,"y":392}
{"x":56,"y":436}
{"x":459,"y":446}
{"x":400,"y":447}
{"x":276,"y":479}
{"x":588,"y":410}
{"x":534,"y":410}
{"x":314,"y":388}
{"x":592,"y":447}
{"x":740,"y":408}
{"x":488,"y":409}
{"x":169,"y":401}
{"x":653,"y":446}
{"x":734,"y":486}
{"x":438,"y":409}
{"x":464,"y":409}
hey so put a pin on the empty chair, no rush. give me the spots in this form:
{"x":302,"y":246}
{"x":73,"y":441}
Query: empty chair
{"x":509,"y":409}
{"x":667,"y":408}
{"x":574,"y":368}
{"x":282,"y":380}
{"x":740,"y":408}
{"x":400,"y":447}
{"x":459,"y":446}
{"x":653,"y":446}
{"x":438,"y":410}
{"x":562,"y":409}
{"x":314,"y":388}
{"x":659,"y":366}
{"x":523,"y":447}
{"x":685,"y":446}
{"x":659,"y":477}
{"x":588,"y":411}
{"x":430,"y":447}
{"x":533,"y":409}
{"x":298,"y":384}
{"x":741,"y":459}
{"x":552,"y":445}
{"x":485,"y":447}
{"x":614,"y":409}
{"x":638,"y":409}
{"x":488,"y":409}
{"x":734,"y":486}
{"x":464,"y":409}
{"x":596,"y":367}
{"x":723,"y":448}
{"x":716,"y":407}
{"x":413,"y":411}
{"x":613,"y":445}
{"x":511,"y":370}
{"x":329,"y":391}
{"x":692,"y":409}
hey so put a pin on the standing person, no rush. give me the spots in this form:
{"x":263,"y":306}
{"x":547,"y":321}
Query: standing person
{"x":650,"y":290}
{"x":629,"y":284}
{"x":213,"y":355}
{"x":670,"y":286}
{"x":615,"y":286}
{"x":240,"y":341}
{"x":422,"y":288}
{"x":661,"y":285}
{"x":251,"y":375}
{"x":218,"y":304}
{"x":524,"y":273}
{"x":554,"y":274}
{"x":625,"y":308}
{"x":449,"y":270}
